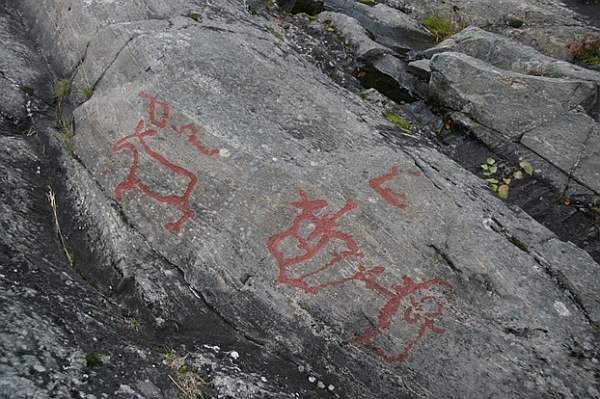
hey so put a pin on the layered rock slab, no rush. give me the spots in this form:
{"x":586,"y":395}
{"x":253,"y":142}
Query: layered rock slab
{"x":271,"y":190}
{"x":494,"y":82}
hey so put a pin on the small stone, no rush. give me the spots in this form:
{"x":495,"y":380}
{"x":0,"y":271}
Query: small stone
{"x":39,"y":368}
{"x":312,"y":379}
{"x":561,"y":309}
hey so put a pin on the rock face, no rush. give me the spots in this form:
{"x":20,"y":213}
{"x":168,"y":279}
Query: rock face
{"x":546,"y":25}
{"x":493,"y":82}
{"x":216,"y":169}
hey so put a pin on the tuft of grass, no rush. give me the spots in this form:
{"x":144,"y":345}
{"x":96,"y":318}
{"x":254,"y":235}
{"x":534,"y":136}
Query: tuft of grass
{"x":398,"y":121}
{"x":65,"y":134}
{"x":92,"y":359}
{"x":85,"y":92}
{"x":62,"y":89}
{"x":189,"y":381}
{"x":439,"y":26}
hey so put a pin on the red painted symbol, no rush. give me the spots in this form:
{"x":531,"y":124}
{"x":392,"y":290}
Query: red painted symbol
{"x":183,"y":202}
{"x":310,"y":234}
{"x":418,"y":310}
{"x":193,"y":138}
{"x":393,"y":197}
{"x":162,"y":123}
{"x":137,"y":142}
{"x":324,"y":231}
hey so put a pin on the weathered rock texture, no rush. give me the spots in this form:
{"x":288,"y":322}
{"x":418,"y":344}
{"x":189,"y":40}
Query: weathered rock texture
{"x":513,"y":94}
{"x":212,"y":151}
{"x":546,"y":25}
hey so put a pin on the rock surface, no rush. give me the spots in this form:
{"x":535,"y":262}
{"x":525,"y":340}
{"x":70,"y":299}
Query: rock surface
{"x":494,"y":82}
{"x":214,"y":169}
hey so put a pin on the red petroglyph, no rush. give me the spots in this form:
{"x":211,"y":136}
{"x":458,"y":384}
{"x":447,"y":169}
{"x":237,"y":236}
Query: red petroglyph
{"x":162,"y":123}
{"x":418,"y":310}
{"x":393,"y":197}
{"x":183,"y":202}
{"x":388,"y":194}
{"x":136,"y":143}
{"x":193,"y":138}
{"x":415,"y":312}
{"x":325,"y":230}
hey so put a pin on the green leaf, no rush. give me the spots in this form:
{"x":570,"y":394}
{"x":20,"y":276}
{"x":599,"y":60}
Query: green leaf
{"x":492,"y":181}
{"x":503,"y":191}
{"x":518,"y":175}
{"x":506,"y":180}
{"x":484,"y":166}
{"x":493,"y":169}
{"x":526,"y":167}
{"x":494,"y":187}
{"x":490,"y":161}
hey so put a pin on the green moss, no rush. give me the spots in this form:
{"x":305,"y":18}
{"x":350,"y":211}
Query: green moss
{"x":398,"y":121}
{"x":440,"y":27}
{"x":274,"y":33}
{"x":92,"y":359}
{"x":169,"y":357}
{"x":593,"y":60}
{"x":366,"y":1}
{"x":327,"y":23}
{"x":193,"y":16}
{"x":185,"y":369}
{"x":517,"y":243}
{"x":515,"y":23}
{"x":28,"y":90}
{"x":308,"y":16}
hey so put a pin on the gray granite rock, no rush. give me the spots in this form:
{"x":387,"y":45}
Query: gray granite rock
{"x":389,"y":26}
{"x":215,"y":166}
{"x":350,"y":30}
{"x":546,"y":25}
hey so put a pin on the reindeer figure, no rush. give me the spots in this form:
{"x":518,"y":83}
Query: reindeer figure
{"x":183,"y":202}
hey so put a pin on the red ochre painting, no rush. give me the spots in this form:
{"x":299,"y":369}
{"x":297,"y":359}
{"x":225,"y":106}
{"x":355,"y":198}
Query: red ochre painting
{"x":412,"y":301}
{"x":137,"y":143}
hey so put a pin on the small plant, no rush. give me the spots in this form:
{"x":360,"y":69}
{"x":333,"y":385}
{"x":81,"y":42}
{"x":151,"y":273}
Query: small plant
{"x":498,"y":184}
{"x":366,"y":1}
{"x":308,"y":16}
{"x":327,"y":23}
{"x":85,"y":92}
{"x":274,"y":33}
{"x":62,"y":89}
{"x":398,"y":121}
{"x":439,"y":26}
{"x":92,"y":359}
{"x":535,"y":72}
{"x":193,"y":16}
{"x":189,"y":381}
{"x":65,"y":134}
{"x":515,"y":23}
{"x":586,"y":52}
{"x":28,"y":90}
